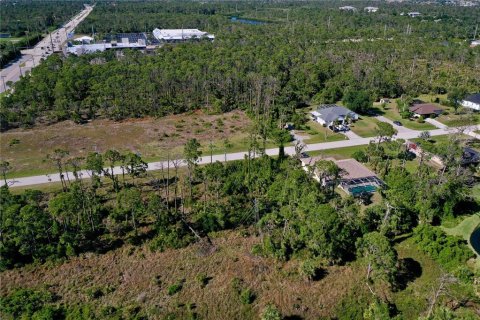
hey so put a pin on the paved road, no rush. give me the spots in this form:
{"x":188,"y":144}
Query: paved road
{"x":31,"y":58}
{"x":410,"y":134}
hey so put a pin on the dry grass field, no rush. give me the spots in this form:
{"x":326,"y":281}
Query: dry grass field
{"x":26,"y":149}
{"x":137,"y":278}
{"x":131,"y":276}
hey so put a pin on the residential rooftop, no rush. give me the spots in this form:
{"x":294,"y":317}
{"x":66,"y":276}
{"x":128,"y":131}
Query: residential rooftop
{"x":425,"y":108}
{"x":475,"y":98}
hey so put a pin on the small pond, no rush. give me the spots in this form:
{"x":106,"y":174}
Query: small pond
{"x":246,"y":21}
{"x":475,"y":240}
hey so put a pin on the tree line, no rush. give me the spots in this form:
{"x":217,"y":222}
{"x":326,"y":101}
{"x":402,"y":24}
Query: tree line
{"x":270,"y":69}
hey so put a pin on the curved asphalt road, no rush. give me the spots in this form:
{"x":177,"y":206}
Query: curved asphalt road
{"x":403,"y":133}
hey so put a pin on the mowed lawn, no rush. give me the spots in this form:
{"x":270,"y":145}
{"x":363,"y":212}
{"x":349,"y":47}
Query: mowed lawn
{"x":317,"y":133}
{"x":464,"y":230}
{"x":392,"y":113}
{"x":338,"y":153}
{"x":154,"y":139}
{"x":365,"y":127}
{"x":462,"y":118}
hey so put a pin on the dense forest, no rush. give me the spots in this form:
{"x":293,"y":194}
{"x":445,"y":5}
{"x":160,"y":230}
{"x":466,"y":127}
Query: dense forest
{"x":24,"y":17}
{"x":296,"y":218}
{"x":304,"y":53}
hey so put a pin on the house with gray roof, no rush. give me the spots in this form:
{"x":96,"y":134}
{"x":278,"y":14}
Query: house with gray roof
{"x":472,"y":102}
{"x":330,"y":115}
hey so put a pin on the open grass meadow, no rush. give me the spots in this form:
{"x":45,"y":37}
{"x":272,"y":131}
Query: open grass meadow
{"x":154,"y":139}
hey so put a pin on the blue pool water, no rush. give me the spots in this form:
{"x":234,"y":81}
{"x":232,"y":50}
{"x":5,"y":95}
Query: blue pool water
{"x":246,"y":21}
{"x":360,"y":189}
{"x":475,"y":240}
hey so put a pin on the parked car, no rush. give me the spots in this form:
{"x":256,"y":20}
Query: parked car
{"x":398,"y":123}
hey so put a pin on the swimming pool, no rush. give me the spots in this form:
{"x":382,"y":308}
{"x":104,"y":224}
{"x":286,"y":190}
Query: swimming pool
{"x":362,"y":189}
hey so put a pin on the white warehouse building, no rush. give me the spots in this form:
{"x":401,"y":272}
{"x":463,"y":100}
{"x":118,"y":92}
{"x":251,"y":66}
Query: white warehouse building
{"x":176,"y":35}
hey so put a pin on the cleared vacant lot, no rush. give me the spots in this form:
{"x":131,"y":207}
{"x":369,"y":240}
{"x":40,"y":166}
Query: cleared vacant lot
{"x":27,"y":149}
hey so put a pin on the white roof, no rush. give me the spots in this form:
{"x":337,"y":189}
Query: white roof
{"x":98,"y":47}
{"x":180,"y":34}
{"x":84,"y":38}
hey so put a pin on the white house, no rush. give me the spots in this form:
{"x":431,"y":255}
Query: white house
{"x":328,"y":114}
{"x":475,"y":43}
{"x":414,"y":14}
{"x":472,"y":102}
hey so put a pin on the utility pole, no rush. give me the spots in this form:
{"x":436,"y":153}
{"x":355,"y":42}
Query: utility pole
{"x":21,"y":74}
{"x":328,"y":23}
{"x":4,"y":86}
{"x":475,"y":34}
{"x":51,"y":41}
{"x":385,"y":31}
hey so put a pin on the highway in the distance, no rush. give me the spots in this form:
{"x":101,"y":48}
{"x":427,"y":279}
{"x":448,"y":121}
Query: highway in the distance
{"x":30,"y":58}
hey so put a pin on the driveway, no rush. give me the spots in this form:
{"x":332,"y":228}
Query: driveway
{"x":351,"y":135}
{"x":436,"y":123}
{"x":400,"y":129}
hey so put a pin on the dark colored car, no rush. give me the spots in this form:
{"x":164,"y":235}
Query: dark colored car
{"x":398,"y":123}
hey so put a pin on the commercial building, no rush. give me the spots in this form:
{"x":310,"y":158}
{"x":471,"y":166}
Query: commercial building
{"x":117,"y":41}
{"x":348,"y":8}
{"x":180,"y":35}
{"x":414,"y":14}
{"x":370,"y":9}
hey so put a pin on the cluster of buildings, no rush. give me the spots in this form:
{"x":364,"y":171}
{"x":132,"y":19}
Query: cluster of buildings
{"x":412,"y":14}
{"x":141,"y":41}
{"x":353,"y":9}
